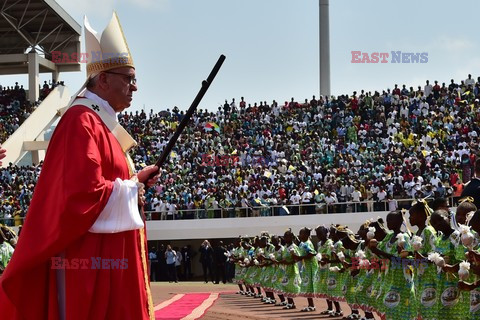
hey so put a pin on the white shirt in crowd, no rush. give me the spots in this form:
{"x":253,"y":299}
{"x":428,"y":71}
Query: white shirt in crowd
{"x":295,"y":199}
{"x":356,"y":195}
{"x":392,"y":205}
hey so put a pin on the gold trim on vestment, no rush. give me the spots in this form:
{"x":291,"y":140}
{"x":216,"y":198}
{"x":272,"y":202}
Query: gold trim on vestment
{"x":151,"y":313}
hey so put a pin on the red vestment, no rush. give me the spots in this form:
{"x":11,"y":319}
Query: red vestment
{"x":82,"y":161}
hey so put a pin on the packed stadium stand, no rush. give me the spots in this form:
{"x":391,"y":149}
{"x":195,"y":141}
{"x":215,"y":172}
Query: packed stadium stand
{"x":316,"y":156}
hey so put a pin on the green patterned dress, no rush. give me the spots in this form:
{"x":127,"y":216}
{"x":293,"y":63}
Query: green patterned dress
{"x":365,"y":279}
{"x":426,"y":278}
{"x":308,"y":269}
{"x":451,"y":300}
{"x":257,"y":273}
{"x":399,"y":291}
{"x":322,"y":273}
{"x":250,"y":270}
{"x":239,"y":253}
{"x":268,"y":269}
{"x":336,"y":280}
{"x":473,"y":307}
{"x":291,"y":280}
{"x":278,"y":272}
{"x":352,"y":281}
{"x":375,"y":291}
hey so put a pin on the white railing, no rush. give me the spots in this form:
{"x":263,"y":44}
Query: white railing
{"x":279,"y":210}
{"x":267,"y":211}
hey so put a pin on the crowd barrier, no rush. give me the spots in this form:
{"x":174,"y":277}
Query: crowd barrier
{"x":283,"y":210}
{"x":267,"y":211}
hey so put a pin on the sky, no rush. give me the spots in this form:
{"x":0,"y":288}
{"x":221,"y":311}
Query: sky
{"x":272,"y":46}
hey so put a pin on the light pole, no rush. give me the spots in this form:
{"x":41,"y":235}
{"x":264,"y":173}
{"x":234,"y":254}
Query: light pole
{"x":324,"y":43}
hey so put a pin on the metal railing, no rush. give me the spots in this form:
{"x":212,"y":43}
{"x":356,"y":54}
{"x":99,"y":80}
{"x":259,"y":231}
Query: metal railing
{"x":266,"y":211}
{"x":282,"y":210}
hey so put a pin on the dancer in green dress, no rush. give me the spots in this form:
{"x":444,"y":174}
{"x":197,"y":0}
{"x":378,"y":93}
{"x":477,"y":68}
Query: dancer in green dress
{"x":325,"y":246}
{"x":398,"y":289}
{"x":353,"y":246}
{"x":290,"y":282}
{"x":267,"y":269}
{"x":426,"y":271}
{"x":337,"y":273}
{"x":463,"y":216}
{"x":472,"y":285}
{"x":309,"y":267}
{"x":449,"y":246}
{"x":236,"y":257}
{"x":256,"y":268}
{"x":243,"y":261}
{"x":249,"y":267}
{"x":278,"y":271}
{"x":370,"y":271}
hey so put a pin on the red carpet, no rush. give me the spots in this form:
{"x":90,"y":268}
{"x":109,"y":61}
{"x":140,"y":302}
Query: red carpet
{"x":189,"y":306}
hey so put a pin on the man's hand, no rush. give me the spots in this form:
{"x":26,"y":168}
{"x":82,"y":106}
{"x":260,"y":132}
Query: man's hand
{"x":145,"y":173}
{"x":3,"y":154}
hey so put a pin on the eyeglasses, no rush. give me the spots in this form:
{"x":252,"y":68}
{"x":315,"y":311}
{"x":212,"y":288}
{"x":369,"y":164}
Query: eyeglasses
{"x":131,"y":79}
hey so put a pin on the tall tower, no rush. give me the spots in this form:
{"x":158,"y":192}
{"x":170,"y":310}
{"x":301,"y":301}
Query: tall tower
{"x":324,"y":47}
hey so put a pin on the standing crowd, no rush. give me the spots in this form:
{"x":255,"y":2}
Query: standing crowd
{"x":172,"y":264}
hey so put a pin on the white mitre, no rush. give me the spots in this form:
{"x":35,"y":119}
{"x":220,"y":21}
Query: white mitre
{"x":103,"y":53}
{"x":108,"y":51}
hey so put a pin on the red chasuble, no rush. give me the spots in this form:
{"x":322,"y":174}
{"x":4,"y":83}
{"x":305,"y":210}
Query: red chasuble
{"x":104,"y":273}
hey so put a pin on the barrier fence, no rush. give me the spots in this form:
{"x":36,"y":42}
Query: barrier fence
{"x":283,"y":210}
{"x":268,"y":211}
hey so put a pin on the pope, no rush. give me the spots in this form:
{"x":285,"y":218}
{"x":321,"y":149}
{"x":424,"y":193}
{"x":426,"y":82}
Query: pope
{"x":85,"y":206}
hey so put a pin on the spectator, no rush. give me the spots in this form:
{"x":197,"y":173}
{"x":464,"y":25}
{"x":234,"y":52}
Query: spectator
{"x":206,"y":259}
{"x":187,"y":262}
{"x":171,"y":258}
{"x":178,"y":263}
{"x":153,"y":261}
{"x":220,"y":259}
{"x":356,"y":197}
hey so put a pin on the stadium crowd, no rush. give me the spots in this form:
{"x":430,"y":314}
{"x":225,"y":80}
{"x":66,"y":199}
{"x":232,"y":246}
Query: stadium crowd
{"x":15,"y":107}
{"x":402,"y":143}
{"x":17,"y":182}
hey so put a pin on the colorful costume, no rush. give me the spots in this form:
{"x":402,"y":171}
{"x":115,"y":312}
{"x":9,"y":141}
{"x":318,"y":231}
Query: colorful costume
{"x":268,"y":269}
{"x":353,"y":277}
{"x":399,"y":292}
{"x":323,"y":271}
{"x":278,"y":272}
{"x":336,"y":279}
{"x":239,"y":254}
{"x":290,"y":283}
{"x":450,"y":301}
{"x":308,"y":269}
{"x":426,"y":277}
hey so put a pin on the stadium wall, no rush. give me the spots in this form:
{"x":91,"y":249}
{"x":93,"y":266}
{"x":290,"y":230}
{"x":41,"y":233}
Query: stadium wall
{"x":166,"y":230}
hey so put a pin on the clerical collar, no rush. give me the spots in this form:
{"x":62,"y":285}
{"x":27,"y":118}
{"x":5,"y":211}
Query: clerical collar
{"x":92,"y":96}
